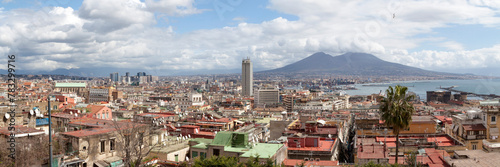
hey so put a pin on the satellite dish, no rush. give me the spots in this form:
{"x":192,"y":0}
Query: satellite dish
{"x":7,"y":116}
{"x":32,"y":112}
{"x":37,"y":111}
{"x":71,"y":112}
{"x":187,"y":158}
{"x":76,"y":115}
{"x":189,"y":136}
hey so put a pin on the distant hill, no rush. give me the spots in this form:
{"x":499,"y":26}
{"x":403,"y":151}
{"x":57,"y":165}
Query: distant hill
{"x":352,"y":64}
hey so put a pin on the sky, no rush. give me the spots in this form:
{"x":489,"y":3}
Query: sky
{"x":441,"y":35}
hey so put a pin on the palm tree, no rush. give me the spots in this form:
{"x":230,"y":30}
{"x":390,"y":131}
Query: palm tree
{"x":396,"y":110}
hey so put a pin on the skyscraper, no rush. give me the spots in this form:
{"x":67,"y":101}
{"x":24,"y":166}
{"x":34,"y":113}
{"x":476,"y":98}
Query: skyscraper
{"x":247,"y":77}
{"x":114,"y":77}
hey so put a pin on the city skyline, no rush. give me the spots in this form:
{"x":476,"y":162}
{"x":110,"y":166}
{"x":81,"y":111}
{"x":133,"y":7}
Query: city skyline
{"x":448,"y":36}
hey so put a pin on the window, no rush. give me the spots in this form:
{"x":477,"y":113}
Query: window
{"x":112,"y":144}
{"x":216,"y":152}
{"x":203,"y":155}
{"x":195,"y":154}
{"x":493,"y":119}
{"x":474,"y":146}
{"x":103,"y":146}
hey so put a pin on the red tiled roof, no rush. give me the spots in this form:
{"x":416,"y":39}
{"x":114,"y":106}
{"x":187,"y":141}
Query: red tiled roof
{"x":95,"y":108}
{"x":226,"y":120}
{"x":208,"y":124}
{"x":324,"y":145}
{"x":99,"y":126}
{"x":373,"y":151}
{"x":296,"y":162}
{"x":205,"y":133}
{"x":89,"y":132}
{"x":474,"y":127}
{"x":189,"y":126}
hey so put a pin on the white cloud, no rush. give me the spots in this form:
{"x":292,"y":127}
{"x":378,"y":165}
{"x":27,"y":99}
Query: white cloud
{"x":122,"y":34}
{"x":114,"y":14}
{"x":427,"y":59}
{"x":173,"y":7}
{"x":452,"y":45}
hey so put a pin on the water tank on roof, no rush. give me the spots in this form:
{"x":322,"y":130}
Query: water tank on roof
{"x":471,"y":114}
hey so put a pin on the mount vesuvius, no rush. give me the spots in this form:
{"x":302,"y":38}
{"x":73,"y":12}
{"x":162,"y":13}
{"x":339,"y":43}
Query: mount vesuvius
{"x":361,"y":64}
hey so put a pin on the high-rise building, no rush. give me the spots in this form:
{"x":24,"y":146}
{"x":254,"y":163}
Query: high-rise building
{"x":247,"y":77}
{"x":127,"y":74}
{"x":139,"y":74}
{"x":114,"y":77}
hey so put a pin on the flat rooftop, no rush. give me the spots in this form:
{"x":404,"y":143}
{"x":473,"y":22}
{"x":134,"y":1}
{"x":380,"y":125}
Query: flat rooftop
{"x":324,"y":145}
{"x":475,"y":158}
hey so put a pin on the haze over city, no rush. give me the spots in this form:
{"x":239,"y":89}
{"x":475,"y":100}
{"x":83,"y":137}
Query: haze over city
{"x":165,"y":37}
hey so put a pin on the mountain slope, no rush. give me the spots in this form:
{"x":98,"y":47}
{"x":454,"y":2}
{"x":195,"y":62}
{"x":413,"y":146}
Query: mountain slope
{"x":352,"y":64}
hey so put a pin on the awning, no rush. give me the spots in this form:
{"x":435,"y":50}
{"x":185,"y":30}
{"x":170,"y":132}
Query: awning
{"x":238,"y":121}
{"x":101,"y":163}
{"x":494,"y":132}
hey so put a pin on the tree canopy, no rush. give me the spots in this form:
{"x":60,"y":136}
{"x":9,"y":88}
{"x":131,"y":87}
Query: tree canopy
{"x":396,"y":110}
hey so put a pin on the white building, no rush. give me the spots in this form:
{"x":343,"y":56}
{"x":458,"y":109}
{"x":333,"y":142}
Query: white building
{"x":188,"y":100}
{"x":267,"y":96}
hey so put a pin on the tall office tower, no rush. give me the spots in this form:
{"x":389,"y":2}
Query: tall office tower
{"x":247,"y":77}
{"x":127,"y":74}
{"x":114,"y":77}
{"x":139,"y":74}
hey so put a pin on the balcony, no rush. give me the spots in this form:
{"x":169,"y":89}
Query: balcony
{"x":473,"y":137}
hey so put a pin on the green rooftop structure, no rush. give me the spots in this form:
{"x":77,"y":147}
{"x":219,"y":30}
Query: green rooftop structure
{"x":236,"y":144}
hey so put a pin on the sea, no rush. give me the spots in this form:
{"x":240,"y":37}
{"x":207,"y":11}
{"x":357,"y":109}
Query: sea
{"x":478,"y":86}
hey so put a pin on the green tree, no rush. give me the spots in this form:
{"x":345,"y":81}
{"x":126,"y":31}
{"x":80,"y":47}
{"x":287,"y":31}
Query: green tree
{"x":411,"y":160}
{"x":222,"y":161}
{"x":396,"y":110}
{"x":216,"y":161}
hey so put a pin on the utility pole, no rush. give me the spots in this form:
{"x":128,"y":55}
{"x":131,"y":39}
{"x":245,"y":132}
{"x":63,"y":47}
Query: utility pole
{"x":50,"y":133}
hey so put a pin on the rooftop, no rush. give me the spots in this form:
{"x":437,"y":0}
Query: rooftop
{"x":238,"y":142}
{"x":70,"y":85}
{"x":324,"y":145}
{"x":21,"y":131}
{"x":297,"y":162}
{"x":474,"y":127}
{"x":475,"y":158}
{"x":372,"y":151}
